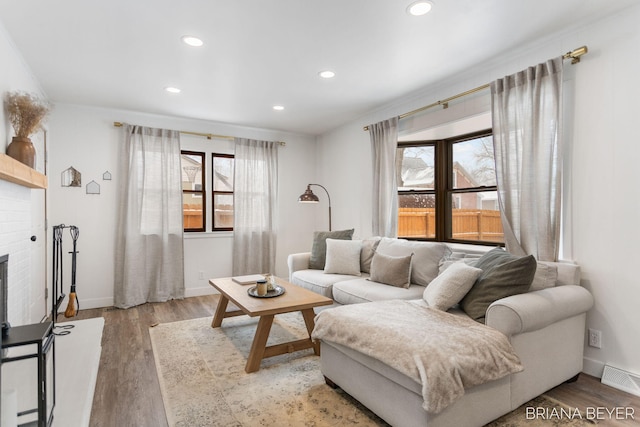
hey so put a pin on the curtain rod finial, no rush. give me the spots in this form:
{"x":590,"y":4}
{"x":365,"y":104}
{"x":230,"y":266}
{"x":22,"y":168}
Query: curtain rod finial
{"x":575,"y":54}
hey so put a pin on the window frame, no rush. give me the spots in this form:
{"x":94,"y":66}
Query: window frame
{"x":444,"y":186}
{"x":214,"y":192}
{"x":202,"y":192}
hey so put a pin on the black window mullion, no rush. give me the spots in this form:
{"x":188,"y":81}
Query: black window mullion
{"x":442,"y":175}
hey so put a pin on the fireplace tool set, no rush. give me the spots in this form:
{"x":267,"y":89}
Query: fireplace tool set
{"x":58,"y":274}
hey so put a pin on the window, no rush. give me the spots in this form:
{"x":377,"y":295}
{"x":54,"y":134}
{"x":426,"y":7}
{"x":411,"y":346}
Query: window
{"x":193,"y":191}
{"x":447,"y":190}
{"x":222,"y":191}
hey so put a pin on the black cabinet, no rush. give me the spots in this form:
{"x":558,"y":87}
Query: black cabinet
{"x":41,"y":337}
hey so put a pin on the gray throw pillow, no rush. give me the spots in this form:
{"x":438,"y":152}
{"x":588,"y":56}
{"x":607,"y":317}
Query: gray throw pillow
{"x":366,"y":255}
{"x":502,"y":275}
{"x":391,"y":270}
{"x":319,"y":247}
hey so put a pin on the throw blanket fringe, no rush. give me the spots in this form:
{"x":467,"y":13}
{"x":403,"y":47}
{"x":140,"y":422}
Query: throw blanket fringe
{"x":443,"y":352}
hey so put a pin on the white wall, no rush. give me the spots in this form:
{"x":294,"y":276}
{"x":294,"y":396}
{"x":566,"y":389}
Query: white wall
{"x":600,"y":230}
{"x":21,"y":209}
{"x":85,"y":138}
{"x":604,"y":201}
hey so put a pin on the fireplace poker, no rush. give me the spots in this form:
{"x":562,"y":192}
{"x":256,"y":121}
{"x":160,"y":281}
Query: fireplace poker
{"x":58,"y":275}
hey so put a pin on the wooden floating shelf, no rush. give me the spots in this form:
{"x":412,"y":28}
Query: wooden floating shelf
{"x":13,"y":171}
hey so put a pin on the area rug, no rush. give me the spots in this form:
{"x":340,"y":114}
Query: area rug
{"x":203,"y":382}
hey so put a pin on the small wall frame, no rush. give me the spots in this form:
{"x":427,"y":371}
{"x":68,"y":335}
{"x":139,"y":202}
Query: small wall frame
{"x":93,"y":188}
{"x":106,"y":176}
{"x":71,"y":177}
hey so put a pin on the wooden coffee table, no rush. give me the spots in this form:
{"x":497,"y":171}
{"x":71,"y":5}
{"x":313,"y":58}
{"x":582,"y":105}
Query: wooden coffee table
{"x":294,"y":299}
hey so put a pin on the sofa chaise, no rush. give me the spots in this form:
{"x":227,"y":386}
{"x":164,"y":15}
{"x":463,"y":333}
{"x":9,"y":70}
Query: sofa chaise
{"x":545,"y":327}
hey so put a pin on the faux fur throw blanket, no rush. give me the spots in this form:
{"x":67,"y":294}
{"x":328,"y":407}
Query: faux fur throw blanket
{"x":443,"y":352}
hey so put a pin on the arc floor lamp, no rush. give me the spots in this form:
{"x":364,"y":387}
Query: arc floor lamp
{"x":309,"y":197}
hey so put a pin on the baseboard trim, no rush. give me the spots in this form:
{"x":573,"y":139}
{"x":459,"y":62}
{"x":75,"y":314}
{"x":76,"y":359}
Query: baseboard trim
{"x":108,"y":301}
{"x":197,"y":292}
{"x":88,"y":303}
{"x":592,"y":367}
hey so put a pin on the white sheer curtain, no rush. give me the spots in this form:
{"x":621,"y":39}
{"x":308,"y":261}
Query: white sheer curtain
{"x":384,"y":143}
{"x":149,"y":250}
{"x":527,"y":143}
{"x":255,"y":196}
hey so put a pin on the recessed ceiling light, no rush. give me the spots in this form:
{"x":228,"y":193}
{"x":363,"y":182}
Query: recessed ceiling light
{"x":278,"y":107}
{"x":327,"y":74}
{"x":192,"y":41}
{"x":172,"y":89}
{"x":419,"y":8}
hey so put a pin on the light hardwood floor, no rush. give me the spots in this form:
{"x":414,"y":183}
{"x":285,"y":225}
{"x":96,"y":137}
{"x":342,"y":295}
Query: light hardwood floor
{"x":128,"y":394}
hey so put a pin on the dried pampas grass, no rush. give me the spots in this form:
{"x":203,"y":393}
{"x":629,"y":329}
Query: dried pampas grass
{"x":26,"y":112}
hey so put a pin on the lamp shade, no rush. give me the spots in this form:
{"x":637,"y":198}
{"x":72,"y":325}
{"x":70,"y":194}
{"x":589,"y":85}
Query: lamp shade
{"x":308,"y":196}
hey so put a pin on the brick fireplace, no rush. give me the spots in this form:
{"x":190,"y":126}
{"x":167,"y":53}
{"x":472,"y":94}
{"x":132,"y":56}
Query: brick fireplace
{"x":15,"y":230}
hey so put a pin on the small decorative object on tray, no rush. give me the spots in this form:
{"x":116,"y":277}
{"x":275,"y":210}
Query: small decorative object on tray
{"x":276,"y":292}
{"x":261,"y":287}
{"x":271,"y":281}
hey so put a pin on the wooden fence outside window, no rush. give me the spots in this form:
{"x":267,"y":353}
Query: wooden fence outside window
{"x":468,"y":224}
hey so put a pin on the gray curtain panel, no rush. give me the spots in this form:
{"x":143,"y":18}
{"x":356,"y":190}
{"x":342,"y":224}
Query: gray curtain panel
{"x":384,"y":142}
{"x":527,"y":122}
{"x":255,"y":198}
{"x":149,"y":247}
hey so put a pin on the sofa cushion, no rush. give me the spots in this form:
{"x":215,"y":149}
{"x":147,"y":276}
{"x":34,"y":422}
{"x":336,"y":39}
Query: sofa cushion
{"x":502,"y":275}
{"x":319,"y":247}
{"x":343,"y":256}
{"x":319,"y":282}
{"x":391,"y":270}
{"x":360,"y":290}
{"x":369,"y":246}
{"x":426,"y":259}
{"x":451,"y":286}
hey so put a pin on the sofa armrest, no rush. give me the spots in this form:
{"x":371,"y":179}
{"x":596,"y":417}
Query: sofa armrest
{"x":535,"y":310}
{"x":297,"y":262}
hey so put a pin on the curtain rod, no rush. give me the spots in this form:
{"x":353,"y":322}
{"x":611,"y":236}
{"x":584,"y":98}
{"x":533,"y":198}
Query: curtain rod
{"x":574,"y":55}
{"x":206,"y":135}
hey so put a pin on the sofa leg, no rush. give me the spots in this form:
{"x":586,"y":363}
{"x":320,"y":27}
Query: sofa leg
{"x":573,"y":379}
{"x":330,"y":383}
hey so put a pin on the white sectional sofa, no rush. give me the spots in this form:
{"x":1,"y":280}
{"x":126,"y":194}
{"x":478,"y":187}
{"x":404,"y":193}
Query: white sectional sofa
{"x":545,"y":326}
{"x":350,"y":289}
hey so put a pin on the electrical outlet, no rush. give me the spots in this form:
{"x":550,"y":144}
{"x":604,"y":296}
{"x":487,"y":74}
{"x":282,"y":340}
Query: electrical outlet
{"x":201,"y":275}
{"x":595,"y":338}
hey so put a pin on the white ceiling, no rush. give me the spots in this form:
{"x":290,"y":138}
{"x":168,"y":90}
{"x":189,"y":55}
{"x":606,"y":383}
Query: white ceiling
{"x":259,"y":53}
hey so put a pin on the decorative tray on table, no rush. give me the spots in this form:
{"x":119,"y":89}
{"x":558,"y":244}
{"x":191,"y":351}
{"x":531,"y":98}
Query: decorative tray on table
{"x":276,"y":292}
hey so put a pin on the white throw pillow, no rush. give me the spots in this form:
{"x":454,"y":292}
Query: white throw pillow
{"x":451,"y":286}
{"x":343,"y":257}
